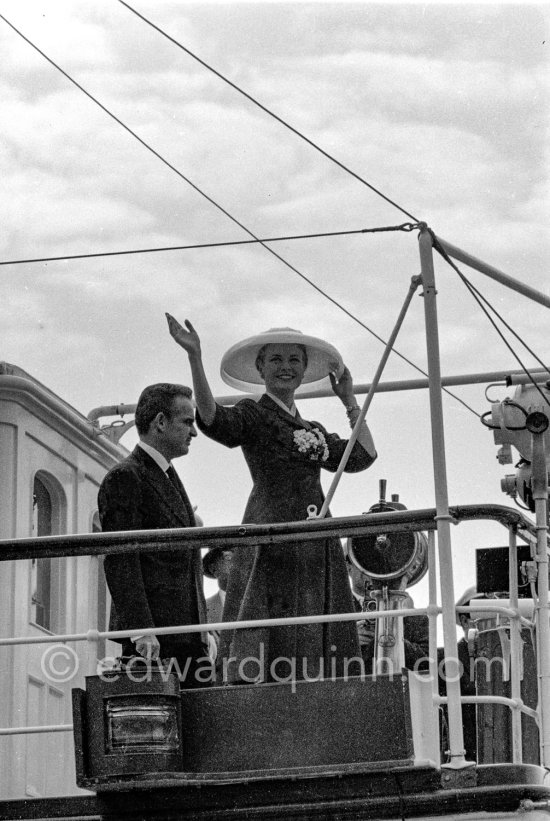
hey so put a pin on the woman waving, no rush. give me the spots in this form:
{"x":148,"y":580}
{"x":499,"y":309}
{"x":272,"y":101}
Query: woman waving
{"x":285,"y":455}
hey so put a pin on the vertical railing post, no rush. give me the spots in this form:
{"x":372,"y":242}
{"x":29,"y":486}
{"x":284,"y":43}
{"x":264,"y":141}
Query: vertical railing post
{"x":516,"y":647}
{"x":452,"y":673}
{"x":432,"y":614}
{"x":92,"y":644}
{"x":540,"y":496}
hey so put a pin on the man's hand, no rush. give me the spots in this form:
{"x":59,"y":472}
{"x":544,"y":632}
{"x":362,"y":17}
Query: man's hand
{"x":186,"y":339}
{"x":148,"y":647}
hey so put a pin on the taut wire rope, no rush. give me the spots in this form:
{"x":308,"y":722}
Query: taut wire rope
{"x":266,"y":110}
{"x":223,"y":210}
{"x":480,"y":299}
{"x":406,"y":226}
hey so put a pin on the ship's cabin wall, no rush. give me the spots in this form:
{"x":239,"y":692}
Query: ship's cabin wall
{"x":52,"y":464}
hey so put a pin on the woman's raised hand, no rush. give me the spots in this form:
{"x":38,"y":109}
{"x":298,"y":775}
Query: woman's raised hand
{"x":190,"y":342}
{"x":343,"y":387}
{"x":187,"y":339}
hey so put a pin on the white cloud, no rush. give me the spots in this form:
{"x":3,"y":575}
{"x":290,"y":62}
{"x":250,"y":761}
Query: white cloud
{"x":444,"y":109}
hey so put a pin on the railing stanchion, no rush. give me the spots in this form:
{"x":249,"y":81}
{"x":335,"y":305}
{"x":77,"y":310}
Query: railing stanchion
{"x":540,"y":495}
{"x":432,"y":613}
{"x":92,"y":644}
{"x":516,"y":648}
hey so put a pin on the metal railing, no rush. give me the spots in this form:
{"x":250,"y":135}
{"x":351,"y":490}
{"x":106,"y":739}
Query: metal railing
{"x":253,"y":535}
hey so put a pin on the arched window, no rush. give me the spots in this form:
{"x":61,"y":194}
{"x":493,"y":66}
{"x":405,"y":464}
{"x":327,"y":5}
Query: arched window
{"x":46,"y":576}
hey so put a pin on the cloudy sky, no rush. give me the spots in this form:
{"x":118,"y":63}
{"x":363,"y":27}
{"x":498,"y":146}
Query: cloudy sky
{"x":443,"y":108}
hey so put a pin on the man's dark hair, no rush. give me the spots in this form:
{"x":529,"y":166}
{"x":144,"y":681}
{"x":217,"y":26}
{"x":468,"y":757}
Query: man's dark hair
{"x":157,"y":399}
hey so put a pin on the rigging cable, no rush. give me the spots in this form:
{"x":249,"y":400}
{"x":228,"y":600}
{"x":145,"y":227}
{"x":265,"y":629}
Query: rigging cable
{"x":480,"y":299}
{"x":224,"y":211}
{"x":406,"y":226}
{"x":267,"y":110}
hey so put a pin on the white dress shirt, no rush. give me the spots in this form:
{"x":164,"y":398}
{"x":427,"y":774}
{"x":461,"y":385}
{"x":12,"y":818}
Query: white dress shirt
{"x":161,"y":461}
{"x":292,"y":410}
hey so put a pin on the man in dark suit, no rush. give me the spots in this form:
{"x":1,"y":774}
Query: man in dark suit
{"x":156,"y":588}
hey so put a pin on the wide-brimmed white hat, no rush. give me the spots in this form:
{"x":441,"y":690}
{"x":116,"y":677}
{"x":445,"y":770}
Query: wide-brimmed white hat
{"x":238,"y":367}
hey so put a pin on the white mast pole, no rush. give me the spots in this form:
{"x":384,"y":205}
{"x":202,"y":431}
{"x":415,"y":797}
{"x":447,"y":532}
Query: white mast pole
{"x":456,"y":736}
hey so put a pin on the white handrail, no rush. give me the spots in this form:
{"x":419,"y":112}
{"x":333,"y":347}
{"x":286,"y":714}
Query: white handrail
{"x":516,"y":377}
{"x":97,"y":635}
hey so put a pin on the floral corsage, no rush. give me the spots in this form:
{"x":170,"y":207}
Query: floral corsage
{"x":312,"y":443}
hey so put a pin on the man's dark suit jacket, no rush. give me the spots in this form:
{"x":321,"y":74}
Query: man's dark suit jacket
{"x":152,"y":589}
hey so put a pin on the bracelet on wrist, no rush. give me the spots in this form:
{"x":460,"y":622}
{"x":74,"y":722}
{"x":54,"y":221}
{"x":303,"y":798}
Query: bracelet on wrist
{"x":352,"y":409}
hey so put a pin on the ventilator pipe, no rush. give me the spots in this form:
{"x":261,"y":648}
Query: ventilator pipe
{"x":111,"y":410}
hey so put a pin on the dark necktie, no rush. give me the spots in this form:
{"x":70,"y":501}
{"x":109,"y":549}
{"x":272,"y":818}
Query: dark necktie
{"x":173,"y":476}
{"x":178,"y":484}
{"x":176,"y":481}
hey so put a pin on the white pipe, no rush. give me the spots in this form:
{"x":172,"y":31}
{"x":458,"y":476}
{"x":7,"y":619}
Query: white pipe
{"x":456,"y":735}
{"x":518,"y":706}
{"x":540,"y":495}
{"x":432,"y":613}
{"x":112,"y":410}
{"x":41,"y":728}
{"x":494,"y":273}
{"x":512,"y":377}
{"x":94,"y":635}
{"x":516,"y":647}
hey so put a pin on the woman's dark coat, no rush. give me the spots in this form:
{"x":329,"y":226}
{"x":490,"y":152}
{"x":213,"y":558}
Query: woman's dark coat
{"x":295,"y":579}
